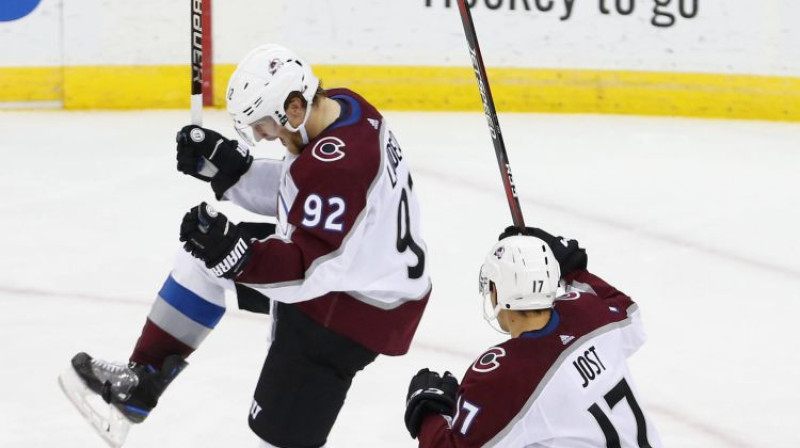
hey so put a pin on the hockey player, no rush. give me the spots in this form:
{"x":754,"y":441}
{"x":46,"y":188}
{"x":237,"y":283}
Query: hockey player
{"x":562,"y":379}
{"x":345,"y":264}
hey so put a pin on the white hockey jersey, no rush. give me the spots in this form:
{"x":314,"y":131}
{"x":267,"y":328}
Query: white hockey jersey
{"x":564,"y":386}
{"x":347,"y":249}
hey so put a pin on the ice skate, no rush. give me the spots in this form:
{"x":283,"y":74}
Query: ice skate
{"x":128,"y":392}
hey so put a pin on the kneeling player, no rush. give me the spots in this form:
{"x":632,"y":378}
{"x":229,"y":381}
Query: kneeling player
{"x":561,"y":380}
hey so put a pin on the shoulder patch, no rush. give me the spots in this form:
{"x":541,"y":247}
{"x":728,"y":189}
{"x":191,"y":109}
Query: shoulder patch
{"x":489,"y":360}
{"x":328,"y":149}
{"x":375,"y":123}
{"x":572,"y":295}
{"x":566,"y":338}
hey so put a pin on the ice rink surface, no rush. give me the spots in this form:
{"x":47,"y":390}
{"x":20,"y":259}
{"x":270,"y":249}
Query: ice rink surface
{"x":696,"y":219}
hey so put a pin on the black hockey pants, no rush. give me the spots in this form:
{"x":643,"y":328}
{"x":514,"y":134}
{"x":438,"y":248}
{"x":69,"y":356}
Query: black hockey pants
{"x":304,"y":381}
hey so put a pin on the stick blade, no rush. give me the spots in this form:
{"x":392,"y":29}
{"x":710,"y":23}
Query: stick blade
{"x":108,"y":422}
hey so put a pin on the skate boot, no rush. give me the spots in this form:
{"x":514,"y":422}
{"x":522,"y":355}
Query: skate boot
{"x":132,"y":391}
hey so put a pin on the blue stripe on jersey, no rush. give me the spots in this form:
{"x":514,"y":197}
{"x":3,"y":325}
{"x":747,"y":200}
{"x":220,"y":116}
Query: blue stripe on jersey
{"x":190,"y":304}
{"x":351,"y":112}
{"x":551,"y":326}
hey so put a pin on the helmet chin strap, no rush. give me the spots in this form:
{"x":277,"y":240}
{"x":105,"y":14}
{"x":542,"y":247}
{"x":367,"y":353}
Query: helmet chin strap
{"x":490,"y":314}
{"x":302,"y":127}
{"x":303,"y":133}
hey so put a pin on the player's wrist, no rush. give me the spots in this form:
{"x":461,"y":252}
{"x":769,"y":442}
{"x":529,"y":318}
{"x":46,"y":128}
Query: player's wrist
{"x":432,"y":422}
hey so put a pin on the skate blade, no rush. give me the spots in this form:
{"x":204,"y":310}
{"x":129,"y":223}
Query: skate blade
{"x":111,"y":425}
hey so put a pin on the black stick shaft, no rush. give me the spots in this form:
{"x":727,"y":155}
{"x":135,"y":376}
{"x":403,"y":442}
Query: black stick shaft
{"x":206,"y":168}
{"x":196,"y":31}
{"x":491,"y":115}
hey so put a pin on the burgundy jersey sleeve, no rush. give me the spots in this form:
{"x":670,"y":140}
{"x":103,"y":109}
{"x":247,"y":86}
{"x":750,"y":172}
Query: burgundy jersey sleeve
{"x":585,"y":281}
{"x":613,"y":300}
{"x":491,"y":395}
{"x":273,"y":261}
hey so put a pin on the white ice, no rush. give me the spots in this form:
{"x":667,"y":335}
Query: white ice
{"x":698,"y":220}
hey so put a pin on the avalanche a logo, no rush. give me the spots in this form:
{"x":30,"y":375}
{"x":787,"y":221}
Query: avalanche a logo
{"x":499,"y":252}
{"x":490,"y":360}
{"x":571,"y":295}
{"x":328,"y":149}
{"x":275,"y":65}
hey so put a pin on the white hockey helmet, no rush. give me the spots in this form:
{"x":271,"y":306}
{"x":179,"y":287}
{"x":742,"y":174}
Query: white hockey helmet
{"x":524,"y":273}
{"x":261,"y":84}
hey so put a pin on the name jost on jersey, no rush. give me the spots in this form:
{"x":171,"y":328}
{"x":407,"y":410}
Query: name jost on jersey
{"x":589,"y":365}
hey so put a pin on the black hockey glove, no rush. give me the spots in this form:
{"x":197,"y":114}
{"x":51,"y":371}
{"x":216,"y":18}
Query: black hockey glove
{"x":429,"y":393}
{"x":209,"y":236}
{"x":570,"y":256}
{"x":199,"y":146}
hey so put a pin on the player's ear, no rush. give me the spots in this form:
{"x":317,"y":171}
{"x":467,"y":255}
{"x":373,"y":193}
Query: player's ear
{"x":295,"y":109}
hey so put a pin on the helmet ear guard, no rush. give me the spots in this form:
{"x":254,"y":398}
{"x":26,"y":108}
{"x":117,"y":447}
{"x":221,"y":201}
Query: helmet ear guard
{"x":525,"y":275}
{"x":261,"y":85}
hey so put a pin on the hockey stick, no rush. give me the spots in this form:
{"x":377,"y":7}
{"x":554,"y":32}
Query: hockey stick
{"x":205,"y":168}
{"x":197,"y":61}
{"x":491,"y":114}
